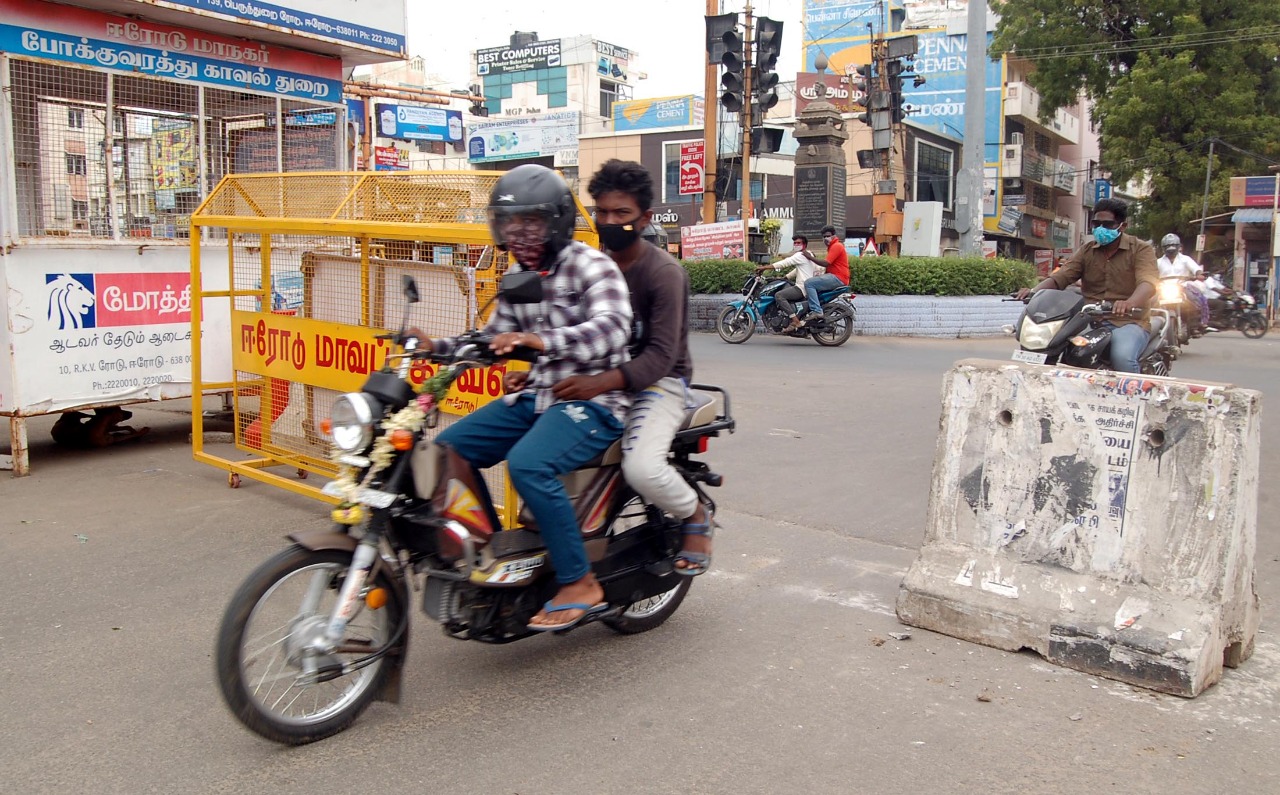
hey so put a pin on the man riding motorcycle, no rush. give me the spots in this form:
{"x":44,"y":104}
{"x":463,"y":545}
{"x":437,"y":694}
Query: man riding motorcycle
{"x":582,"y":327}
{"x":1176,"y":265}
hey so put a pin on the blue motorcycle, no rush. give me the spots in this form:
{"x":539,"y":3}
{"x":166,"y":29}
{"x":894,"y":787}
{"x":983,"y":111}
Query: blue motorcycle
{"x":737,"y":321}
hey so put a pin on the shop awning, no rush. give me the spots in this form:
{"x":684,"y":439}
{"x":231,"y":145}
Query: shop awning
{"x":1252,"y":215}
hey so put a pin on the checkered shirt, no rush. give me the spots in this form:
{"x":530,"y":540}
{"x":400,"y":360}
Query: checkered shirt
{"x":584,"y":320}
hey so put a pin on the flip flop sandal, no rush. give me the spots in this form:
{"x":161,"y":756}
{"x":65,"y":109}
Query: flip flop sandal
{"x":695,"y":562}
{"x":587,"y":610}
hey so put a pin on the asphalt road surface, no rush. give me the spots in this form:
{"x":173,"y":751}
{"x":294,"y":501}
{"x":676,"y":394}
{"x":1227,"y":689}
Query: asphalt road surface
{"x":777,"y":675}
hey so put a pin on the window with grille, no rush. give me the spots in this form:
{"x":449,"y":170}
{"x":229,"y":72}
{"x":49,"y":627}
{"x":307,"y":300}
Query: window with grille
{"x":75,"y":118}
{"x":77,"y":166}
{"x":609,"y":94}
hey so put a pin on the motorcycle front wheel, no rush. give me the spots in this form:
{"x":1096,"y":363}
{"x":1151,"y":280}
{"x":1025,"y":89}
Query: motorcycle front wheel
{"x":735,"y":325}
{"x":266,"y":668}
{"x":1254,"y":326}
{"x":838,"y":327}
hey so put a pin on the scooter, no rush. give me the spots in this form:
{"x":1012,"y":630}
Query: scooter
{"x":1062,"y":327}
{"x":737,"y":321}
{"x":320,"y":630}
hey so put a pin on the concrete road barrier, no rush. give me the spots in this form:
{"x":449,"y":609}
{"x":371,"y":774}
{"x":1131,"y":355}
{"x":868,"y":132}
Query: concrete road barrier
{"x":1104,"y":520}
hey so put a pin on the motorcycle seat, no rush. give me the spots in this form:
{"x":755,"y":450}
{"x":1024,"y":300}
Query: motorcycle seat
{"x":706,"y":407}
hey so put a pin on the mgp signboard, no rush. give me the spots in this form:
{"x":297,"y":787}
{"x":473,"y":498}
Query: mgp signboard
{"x":693,"y":166}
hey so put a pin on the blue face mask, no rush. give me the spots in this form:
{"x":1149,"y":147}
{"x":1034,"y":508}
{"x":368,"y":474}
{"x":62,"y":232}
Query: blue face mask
{"x":1105,"y":236}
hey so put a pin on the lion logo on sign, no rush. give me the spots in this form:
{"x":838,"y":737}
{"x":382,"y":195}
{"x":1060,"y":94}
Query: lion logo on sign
{"x":69,"y":302}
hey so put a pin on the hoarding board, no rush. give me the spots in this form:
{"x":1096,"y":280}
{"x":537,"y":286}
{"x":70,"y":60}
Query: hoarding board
{"x":416,"y":123}
{"x":88,"y":38}
{"x":655,"y":114}
{"x":378,"y":26}
{"x":838,"y":91}
{"x":535,"y":55}
{"x":523,"y":137}
{"x":712,"y":241}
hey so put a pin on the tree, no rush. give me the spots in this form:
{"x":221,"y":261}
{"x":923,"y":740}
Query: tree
{"x":1165,"y":77}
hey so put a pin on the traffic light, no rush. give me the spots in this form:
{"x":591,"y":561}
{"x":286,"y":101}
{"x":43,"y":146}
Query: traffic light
{"x":765,"y":140}
{"x":764,"y":80}
{"x":478,"y":107}
{"x":764,"y":87}
{"x":894,"y":69}
{"x":717,"y":27}
{"x":860,"y":83}
{"x":733,"y":81}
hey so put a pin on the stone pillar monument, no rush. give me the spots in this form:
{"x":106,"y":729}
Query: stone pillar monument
{"x":820,"y":165}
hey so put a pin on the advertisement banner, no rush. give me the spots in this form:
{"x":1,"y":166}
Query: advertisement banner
{"x":655,"y":114}
{"x":339,"y":357}
{"x":1044,"y":262}
{"x":712,"y":241}
{"x":105,"y":330}
{"x":88,"y":38}
{"x":693,"y":166}
{"x":390,"y":158}
{"x":376,"y":26}
{"x":838,"y":91}
{"x":1253,"y":191}
{"x":500,"y":60}
{"x":415,"y":123}
{"x":523,"y":137}
{"x":174,"y":163}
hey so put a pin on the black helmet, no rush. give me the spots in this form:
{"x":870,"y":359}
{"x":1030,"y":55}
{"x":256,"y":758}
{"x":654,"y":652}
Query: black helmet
{"x":533,"y":190}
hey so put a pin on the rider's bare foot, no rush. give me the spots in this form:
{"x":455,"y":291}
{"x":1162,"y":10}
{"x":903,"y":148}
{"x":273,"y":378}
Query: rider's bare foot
{"x":693,"y":542}
{"x":585,"y":591}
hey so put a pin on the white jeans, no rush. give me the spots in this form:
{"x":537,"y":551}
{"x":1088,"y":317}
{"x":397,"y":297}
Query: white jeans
{"x":656,"y":414}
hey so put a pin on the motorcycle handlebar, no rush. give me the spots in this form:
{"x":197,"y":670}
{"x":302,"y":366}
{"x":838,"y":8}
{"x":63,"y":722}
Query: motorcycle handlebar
{"x":474,"y":347}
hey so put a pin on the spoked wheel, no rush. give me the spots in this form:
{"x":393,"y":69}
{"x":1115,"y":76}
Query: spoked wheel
{"x":645,"y":614}
{"x":735,"y":325}
{"x":1157,"y":365}
{"x":837,"y":326}
{"x":1254,"y":326}
{"x":271,"y":678}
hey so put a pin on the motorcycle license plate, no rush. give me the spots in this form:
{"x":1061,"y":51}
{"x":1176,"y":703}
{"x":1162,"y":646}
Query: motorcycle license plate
{"x":365,"y":496}
{"x":1029,"y":357}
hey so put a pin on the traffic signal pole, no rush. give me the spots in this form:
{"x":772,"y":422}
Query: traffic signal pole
{"x":710,"y":132}
{"x":747,"y":121}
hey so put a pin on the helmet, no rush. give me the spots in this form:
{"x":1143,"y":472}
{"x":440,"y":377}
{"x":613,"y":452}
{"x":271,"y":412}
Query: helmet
{"x":531,"y":192}
{"x":1170,"y":240}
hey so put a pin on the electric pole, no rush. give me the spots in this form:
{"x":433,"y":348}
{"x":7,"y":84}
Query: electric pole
{"x":710,"y":136}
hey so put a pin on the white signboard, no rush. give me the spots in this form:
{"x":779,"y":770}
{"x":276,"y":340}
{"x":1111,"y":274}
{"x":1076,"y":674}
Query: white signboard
{"x":922,"y":229}
{"x":98,"y":326}
{"x":524,"y":137}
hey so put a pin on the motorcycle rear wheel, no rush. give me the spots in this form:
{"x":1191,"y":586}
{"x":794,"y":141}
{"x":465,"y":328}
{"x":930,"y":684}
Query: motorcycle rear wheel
{"x":838,"y":327}
{"x":260,"y":648}
{"x":735,"y":325}
{"x":650,"y":613}
{"x":1253,"y":326}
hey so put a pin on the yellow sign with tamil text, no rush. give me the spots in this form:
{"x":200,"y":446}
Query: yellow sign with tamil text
{"x":339,"y":357}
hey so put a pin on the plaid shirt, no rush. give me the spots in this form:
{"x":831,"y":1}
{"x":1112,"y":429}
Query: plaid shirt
{"x":584,"y":320}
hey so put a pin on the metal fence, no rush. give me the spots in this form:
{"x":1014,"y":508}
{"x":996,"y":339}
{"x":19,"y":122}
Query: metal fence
{"x":114,"y":156}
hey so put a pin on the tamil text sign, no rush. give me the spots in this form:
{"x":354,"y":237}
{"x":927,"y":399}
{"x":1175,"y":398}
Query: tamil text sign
{"x":693,"y":166}
{"x":723,"y":240}
{"x":837,"y":90}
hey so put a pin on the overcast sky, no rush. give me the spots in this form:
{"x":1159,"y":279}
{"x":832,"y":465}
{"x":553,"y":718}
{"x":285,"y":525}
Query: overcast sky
{"x":669,"y":35}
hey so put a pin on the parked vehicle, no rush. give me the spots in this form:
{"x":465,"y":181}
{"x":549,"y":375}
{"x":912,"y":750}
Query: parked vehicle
{"x":1062,"y":327}
{"x":320,"y":630}
{"x":738,"y":320}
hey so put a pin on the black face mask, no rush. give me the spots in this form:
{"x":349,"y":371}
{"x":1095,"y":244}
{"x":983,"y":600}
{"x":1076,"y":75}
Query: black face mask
{"x":618,"y":237}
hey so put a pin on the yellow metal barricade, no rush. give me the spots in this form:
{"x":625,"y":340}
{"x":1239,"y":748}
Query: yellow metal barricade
{"x":315,"y":263}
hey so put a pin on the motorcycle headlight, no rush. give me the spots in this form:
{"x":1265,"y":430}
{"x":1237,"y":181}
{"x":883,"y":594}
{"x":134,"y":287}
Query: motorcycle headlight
{"x":1037,"y":336}
{"x":352,"y":421}
{"x":1170,"y":292}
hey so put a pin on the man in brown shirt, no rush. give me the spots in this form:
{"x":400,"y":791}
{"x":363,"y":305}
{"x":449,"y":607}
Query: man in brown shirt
{"x":1116,"y":267}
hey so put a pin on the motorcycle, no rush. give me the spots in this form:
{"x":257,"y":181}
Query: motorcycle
{"x":319,"y":631}
{"x":1242,"y":313}
{"x":1062,"y":327}
{"x":738,"y":320}
{"x":1184,"y":315}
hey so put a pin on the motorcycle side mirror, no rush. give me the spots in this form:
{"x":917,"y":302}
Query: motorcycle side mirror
{"x":410,"y":288}
{"x":524,"y":287}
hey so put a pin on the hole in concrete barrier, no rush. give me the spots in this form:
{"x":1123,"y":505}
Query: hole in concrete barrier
{"x":1155,"y":438}
{"x":1005,"y":418}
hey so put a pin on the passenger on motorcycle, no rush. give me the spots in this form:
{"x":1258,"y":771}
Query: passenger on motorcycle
{"x":837,"y":274}
{"x":582,"y":326}
{"x":660,"y":369}
{"x":1176,"y":265}
{"x":804,"y":267}
{"x":1116,"y":267}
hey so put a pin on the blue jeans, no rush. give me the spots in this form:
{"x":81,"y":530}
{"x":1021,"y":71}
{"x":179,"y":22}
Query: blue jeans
{"x":539,"y":448}
{"x":818,"y":283}
{"x":1127,"y":342}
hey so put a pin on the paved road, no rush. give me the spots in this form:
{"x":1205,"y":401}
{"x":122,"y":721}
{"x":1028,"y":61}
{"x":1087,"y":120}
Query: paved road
{"x":777,"y":675}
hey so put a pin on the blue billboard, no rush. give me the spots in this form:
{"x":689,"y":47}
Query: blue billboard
{"x":415,"y":123}
{"x":654,"y":114}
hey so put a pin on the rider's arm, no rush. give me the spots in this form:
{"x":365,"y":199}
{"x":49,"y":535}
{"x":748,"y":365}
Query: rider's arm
{"x":1147,"y":276}
{"x":1071,"y":270}
{"x":606,"y":305}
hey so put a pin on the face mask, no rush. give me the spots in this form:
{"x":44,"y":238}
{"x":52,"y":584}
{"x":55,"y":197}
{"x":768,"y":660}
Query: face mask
{"x":618,"y":237}
{"x":797,"y":247}
{"x":1105,"y":236}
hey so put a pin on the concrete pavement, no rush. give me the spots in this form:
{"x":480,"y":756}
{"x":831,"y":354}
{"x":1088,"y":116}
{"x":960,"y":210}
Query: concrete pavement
{"x":779,"y":673}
